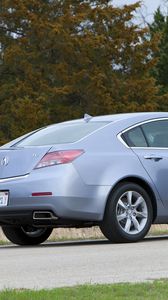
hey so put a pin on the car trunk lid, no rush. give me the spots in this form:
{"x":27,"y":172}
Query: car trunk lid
{"x":15,"y":161}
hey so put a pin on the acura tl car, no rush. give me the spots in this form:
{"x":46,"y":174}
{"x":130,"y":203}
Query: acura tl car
{"x":108,"y":171}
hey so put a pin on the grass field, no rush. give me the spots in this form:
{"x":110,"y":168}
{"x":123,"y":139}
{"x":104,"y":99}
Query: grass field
{"x":158,"y":290}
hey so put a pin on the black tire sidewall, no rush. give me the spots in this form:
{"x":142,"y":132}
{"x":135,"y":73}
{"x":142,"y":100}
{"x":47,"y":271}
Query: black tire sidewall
{"x":17,"y":236}
{"x":111,"y":227}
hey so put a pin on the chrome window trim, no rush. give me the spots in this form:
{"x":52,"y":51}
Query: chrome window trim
{"x":150,"y":148}
{"x":121,"y":140}
{"x":139,"y":124}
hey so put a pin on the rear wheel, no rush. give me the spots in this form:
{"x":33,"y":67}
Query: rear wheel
{"x":128,"y":214}
{"x":26,"y":235}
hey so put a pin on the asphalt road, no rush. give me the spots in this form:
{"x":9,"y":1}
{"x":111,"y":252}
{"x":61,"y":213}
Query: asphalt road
{"x":66,"y":264}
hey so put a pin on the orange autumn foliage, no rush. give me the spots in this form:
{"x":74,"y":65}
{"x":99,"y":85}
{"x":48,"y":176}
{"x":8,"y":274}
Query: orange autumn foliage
{"x":62,"y":58}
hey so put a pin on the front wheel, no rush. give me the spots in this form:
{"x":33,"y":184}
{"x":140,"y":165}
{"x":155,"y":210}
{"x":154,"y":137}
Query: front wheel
{"x":26,"y":235}
{"x":128,"y":214}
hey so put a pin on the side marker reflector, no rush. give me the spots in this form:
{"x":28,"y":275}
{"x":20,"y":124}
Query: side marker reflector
{"x":42,"y":194}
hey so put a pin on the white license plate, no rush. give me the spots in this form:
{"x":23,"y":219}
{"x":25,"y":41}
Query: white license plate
{"x":4,"y":198}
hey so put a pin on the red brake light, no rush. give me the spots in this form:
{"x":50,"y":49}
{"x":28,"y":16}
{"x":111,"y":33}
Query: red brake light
{"x":58,"y":157}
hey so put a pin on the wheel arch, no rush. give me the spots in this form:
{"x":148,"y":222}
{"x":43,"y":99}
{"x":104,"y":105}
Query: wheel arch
{"x":143,"y":184}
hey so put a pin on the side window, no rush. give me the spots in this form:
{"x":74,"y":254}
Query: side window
{"x":134,"y":137}
{"x":156,"y":133}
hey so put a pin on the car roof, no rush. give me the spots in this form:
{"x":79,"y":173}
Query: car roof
{"x":123,"y":116}
{"x":139,"y":116}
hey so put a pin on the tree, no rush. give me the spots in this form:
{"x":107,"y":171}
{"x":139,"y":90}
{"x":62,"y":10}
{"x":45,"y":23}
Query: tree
{"x":160,"y":26}
{"x":67,"y":57}
{"x":160,"y":70}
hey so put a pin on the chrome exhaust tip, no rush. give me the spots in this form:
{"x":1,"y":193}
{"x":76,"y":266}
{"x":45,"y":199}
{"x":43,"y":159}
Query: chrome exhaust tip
{"x":44,"y":215}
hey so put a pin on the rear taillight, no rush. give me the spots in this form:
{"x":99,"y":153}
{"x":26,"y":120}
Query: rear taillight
{"x":58,"y":157}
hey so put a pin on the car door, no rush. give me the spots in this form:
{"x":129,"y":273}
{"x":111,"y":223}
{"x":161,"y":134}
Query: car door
{"x":149,"y":141}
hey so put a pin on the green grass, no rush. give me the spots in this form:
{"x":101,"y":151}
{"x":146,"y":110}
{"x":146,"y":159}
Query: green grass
{"x":158,"y":290}
{"x":4,"y":243}
{"x":158,"y":232}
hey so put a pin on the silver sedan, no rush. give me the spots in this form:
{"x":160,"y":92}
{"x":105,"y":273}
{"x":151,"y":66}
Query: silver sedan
{"x":109,"y":171}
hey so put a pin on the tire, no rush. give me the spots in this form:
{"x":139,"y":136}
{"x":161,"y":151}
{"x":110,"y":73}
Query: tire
{"x":128,"y":215}
{"x":26,"y":235}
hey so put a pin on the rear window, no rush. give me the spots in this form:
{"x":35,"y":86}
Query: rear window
{"x":60,"y":134}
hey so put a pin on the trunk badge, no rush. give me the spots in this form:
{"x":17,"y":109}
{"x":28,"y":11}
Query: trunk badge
{"x":4,"y":161}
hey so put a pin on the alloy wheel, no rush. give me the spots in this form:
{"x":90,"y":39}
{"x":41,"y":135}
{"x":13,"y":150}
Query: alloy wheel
{"x":132,"y":212}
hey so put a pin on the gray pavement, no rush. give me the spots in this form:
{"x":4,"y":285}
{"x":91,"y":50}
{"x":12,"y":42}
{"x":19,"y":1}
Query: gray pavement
{"x":69,"y":263}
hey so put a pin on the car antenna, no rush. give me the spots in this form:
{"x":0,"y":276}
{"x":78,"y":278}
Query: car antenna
{"x":87,"y":118}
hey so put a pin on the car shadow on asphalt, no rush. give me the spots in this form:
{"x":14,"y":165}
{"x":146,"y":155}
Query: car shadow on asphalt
{"x":82,"y":243}
{"x":59,"y":244}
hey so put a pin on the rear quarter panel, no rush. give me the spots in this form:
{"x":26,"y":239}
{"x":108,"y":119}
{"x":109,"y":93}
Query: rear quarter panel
{"x":107,"y":161}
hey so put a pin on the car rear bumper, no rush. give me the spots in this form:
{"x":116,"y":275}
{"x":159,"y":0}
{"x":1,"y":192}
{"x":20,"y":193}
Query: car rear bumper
{"x":70,"y":198}
{"x":22,"y":217}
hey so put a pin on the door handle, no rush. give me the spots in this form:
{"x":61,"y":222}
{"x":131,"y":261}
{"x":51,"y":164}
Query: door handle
{"x":153,"y":157}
